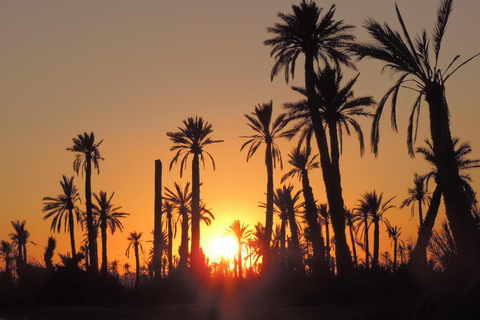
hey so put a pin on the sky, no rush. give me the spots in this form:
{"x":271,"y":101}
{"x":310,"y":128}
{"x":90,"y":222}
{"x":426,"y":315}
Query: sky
{"x":131,"y":71}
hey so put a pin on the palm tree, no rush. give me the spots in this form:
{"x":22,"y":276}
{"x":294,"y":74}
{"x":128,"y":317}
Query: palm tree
{"x":6,"y":251}
{"x":238,"y":231}
{"x":266,"y":133}
{"x":134,"y":243}
{"x":168,"y":209}
{"x":318,"y":39}
{"x":181,"y":200}
{"x":394,"y":233}
{"x":19,"y":240}
{"x":374,"y":205}
{"x":412,"y":60}
{"x":324,"y":213}
{"x":302,"y":164}
{"x":86,"y":152}
{"x":108,"y":217}
{"x":48,"y":255}
{"x":360,"y":217}
{"x":418,"y":194}
{"x":419,"y":253}
{"x":64,"y":204}
{"x":192,"y":139}
{"x":349,"y":214}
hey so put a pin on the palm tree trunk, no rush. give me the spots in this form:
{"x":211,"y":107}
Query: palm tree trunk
{"x":297,"y":255}
{"x":71,"y":225}
{"x":157,"y":229}
{"x":318,"y":244}
{"x":331,"y":174}
{"x":376,"y":244}
{"x":184,"y":242}
{"x":420,"y":213}
{"x":395,"y":244}
{"x":195,"y":251}
{"x":269,"y":214}
{"x":418,"y":256}
{"x":352,"y":240}
{"x":457,"y":202}
{"x":92,"y":232}
{"x":327,"y":234}
{"x":137,"y":272}
{"x":103,"y":229}
{"x":240,"y":271}
{"x":283,"y":230}
{"x":367,"y":250}
{"x":170,"y":244}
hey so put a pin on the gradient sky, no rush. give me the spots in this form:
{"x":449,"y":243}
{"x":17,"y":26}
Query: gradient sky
{"x":132,"y":70}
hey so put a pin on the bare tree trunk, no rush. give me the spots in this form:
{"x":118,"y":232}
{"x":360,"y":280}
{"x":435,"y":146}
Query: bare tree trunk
{"x":157,"y":231}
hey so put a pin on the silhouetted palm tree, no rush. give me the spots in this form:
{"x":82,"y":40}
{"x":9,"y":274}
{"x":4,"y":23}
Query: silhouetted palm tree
{"x":48,"y":254}
{"x":108,"y":217}
{"x":419,"y":253}
{"x":443,"y":248}
{"x":87,"y":153}
{"x":19,"y":240}
{"x":302,"y":164}
{"x":6,"y":251}
{"x":394,"y":233}
{"x":418,"y":194}
{"x":374,"y":205}
{"x":324,"y":213}
{"x":181,"y":200}
{"x":266,"y":132}
{"x":134,"y":243}
{"x":360,"y":219}
{"x":168,"y":209}
{"x":64,"y":204}
{"x":240,"y":233}
{"x":318,"y":38}
{"x":192,"y":140}
{"x":412,"y":60}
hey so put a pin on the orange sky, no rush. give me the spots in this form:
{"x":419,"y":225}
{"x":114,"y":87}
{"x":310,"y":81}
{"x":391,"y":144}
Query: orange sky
{"x":131,"y":71}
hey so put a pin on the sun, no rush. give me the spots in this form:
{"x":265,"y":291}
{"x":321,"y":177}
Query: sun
{"x":224,"y":247}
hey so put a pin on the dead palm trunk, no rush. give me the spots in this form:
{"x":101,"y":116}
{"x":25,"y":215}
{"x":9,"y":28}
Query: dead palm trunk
{"x":331,"y":174}
{"x":157,"y":231}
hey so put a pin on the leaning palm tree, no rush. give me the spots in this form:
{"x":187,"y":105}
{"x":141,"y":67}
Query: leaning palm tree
{"x":87,"y":153}
{"x":318,"y":39}
{"x":266,"y":132}
{"x":192,"y":140}
{"x":418,"y":194}
{"x":240,"y":233}
{"x":376,"y":207}
{"x":302,"y":164}
{"x":135,"y":243}
{"x":181,"y":200}
{"x":64,"y":206}
{"x":394,"y":233}
{"x":108,"y":217}
{"x":413,"y":60}
{"x":6,"y":251}
{"x":419,"y":253}
{"x":19,"y":240}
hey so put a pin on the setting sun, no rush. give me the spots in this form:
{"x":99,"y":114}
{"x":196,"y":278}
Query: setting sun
{"x":224,"y":246}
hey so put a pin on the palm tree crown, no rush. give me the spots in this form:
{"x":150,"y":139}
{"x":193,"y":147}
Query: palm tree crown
{"x":418,"y":194}
{"x":86,"y":149}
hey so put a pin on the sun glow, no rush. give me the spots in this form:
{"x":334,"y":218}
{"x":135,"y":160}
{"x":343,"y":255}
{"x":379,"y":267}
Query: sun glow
{"x":224,"y":247}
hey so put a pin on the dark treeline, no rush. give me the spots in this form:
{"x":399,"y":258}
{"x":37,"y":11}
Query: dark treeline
{"x":320,"y":252}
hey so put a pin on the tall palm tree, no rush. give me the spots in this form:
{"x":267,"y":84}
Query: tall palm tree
{"x":418,"y":194}
{"x":168,"y":209}
{"x":419,"y":254}
{"x":413,"y":61}
{"x":324,"y":213}
{"x":19,"y":240}
{"x":349,"y":214}
{"x":376,"y":207}
{"x":302,"y":164}
{"x":318,"y":39}
{"x":240,"y":233}
{"x":181,"y":200}
{"x":134,"y":243}
{"x":108,"y":217}
{"x":192,"y":140}
{"x":6,"y":251}
{"x":394,"y":233}
{"x":266,"y":132}
{"x":87,"y":153}
{"x":64,"y":204}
